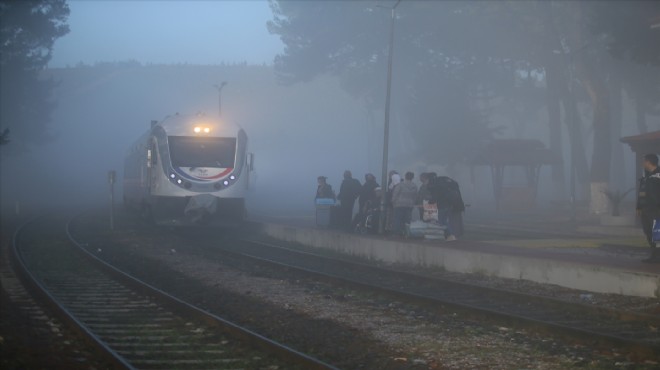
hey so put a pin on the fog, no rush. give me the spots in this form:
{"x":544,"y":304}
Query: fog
{"x":328,"y":117}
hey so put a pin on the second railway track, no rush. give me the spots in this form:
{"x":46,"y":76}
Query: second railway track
{"x":633,"y":332}
{"x":134,"y":323}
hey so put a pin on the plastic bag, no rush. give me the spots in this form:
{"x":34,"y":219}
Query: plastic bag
{"x":430,"y":212}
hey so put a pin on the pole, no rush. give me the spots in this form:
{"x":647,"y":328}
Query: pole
{"x":111,"y":180}
{"x":219,"y":87}
{"x":572,"y":114}
{"x":386,"y":130}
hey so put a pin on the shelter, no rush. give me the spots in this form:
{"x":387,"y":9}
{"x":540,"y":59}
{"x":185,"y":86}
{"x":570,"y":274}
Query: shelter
{"x":641,"y":145}
{"x":528,"y":154}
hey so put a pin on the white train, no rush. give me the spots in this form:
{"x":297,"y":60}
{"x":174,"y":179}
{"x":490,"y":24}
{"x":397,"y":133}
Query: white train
{"x":188,"y":170}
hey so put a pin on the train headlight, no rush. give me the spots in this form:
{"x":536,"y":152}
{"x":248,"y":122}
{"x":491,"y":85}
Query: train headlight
{"x":172,"y":176}
{"x":226,"y":182}
{"x":199,"y":129}
{"x":232,"y":177}
{"x":179,"y":181}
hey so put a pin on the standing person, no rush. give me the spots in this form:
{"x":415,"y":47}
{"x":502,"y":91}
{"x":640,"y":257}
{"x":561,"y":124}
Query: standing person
{"x":368,"y":192}
{"x":648,"y":202}
{"x":325,"y":200}
{"x":403,"y":201}
{"x":446,"y":194}
{"x":348,"y":193}
{"x":393,"y":180}
{"x":324,"y":190}
{"x":368,"y":198}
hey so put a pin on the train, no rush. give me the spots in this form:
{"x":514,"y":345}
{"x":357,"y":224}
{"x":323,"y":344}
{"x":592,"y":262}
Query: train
{"x":189,"y":170}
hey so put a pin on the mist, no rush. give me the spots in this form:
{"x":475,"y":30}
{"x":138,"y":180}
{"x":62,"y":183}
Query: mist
{"x":307,"y":115}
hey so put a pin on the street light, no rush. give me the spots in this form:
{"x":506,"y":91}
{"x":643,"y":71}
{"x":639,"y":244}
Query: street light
{"x":386,"y":131}
{"x":219,"y":88}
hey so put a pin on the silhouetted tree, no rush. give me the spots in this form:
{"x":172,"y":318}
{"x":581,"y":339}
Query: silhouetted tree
{"x":476,"y":49}
{"x":28,"y":30}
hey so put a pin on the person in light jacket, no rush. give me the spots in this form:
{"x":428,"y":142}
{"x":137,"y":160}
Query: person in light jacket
{"x":404,"y":196}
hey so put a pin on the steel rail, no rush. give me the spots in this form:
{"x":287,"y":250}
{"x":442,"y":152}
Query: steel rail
{"x":257,"y":340}
{"x":643,"y":349}
{"x":175,"y":305}
{"x":38,"y":290}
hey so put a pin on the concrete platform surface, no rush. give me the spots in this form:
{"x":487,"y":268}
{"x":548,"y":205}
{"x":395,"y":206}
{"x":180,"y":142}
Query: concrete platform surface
{"x":610,"y":268}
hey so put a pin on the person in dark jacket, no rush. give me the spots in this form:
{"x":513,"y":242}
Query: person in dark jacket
{"x":324,"y":190}
{"x":368,"y":199}
{"x":648,"y":202}
{"x":446,"y":194}
{"x":368,"y":195}
{"x":348,"y":193}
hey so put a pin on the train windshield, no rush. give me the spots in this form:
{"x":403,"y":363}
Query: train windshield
{"x":187,"y":151}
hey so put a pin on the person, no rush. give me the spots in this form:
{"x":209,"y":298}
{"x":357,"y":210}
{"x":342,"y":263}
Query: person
{"x":393,"y":180}
{"x":324,"y":190}
{"x":368,"y":192}
{"x":348,"y":193}
{"x":325,"y":200}
{"x":368,"y":221}
{"x":446,"y":194}
{"x":403,"y":201}
{"x":648,"y":202}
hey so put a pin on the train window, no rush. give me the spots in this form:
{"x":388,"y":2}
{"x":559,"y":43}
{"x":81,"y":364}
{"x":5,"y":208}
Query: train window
{"x":187,"y":151}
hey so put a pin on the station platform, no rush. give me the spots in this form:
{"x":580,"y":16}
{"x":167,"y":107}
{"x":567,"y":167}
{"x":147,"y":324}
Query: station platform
{"x":588,"y":262}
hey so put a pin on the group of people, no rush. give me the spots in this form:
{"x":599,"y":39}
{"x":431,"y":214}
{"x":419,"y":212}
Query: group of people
{"x":438,"y":196}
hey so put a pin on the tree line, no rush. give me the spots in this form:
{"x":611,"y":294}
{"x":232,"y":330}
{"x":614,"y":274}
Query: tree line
{"x":457,"y":61}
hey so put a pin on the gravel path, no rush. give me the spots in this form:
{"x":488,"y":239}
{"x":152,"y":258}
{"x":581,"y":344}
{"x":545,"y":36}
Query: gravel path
{"x":393,"y":335}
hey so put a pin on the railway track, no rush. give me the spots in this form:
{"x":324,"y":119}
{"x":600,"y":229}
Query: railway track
{"x":637,"y":334}
{"x":133,"y":324}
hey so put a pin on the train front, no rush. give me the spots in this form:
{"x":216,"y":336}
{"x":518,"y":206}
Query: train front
{"x":199,"y":171}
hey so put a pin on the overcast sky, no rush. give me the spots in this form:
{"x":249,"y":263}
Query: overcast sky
{"x":196,"y":32}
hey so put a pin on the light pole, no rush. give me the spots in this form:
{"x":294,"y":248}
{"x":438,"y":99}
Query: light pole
{"x":219,"y":88}
{"x":386,"y":130}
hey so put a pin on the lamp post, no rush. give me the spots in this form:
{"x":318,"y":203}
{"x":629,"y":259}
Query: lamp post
{"x":386,"y":130}
{"x":219,"y":88}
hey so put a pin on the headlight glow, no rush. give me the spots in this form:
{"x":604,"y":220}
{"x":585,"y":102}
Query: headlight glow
{"x":226,"y":182}
{"x":197,"y":129}
{"x":172,"y":176}
{"x":207,"y":130}
{"x":232,"y":177}
{"x":179,"y":181}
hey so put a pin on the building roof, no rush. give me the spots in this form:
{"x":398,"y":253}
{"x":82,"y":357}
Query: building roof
{"x":649,"y":137}
{"x":644,"y":143}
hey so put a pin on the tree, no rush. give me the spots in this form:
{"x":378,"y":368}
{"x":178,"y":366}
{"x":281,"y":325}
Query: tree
{"x":470,"y":54}
{"x":28,"y":30}
{"x":349,"y":40}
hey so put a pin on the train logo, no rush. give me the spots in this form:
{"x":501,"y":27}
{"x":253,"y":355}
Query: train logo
{"x":203,"y":174}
